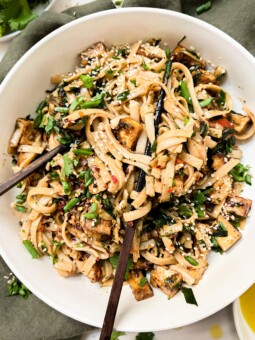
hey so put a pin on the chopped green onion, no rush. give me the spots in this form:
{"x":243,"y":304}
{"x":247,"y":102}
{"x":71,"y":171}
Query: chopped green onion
{"x":185,"y":92}
{"x":145,"y":66}
{"x":66,"y":187}
{"x":184,"y":211}
{"x":247,"y":179}
{"x":90,"y":215}
{"x":94,"y":207}
{"x":61,"y":109}
{"x":39,"y":115}
{"x":20,"y":208}
{"x":191,"y":260}
{"x":50,"y":124}
{"x":205,"y":102}
{"x":84,"y":152}
{"x":71,"y":204}
{"x":54,"y":175}
{"x":168,"y":53}
{"x":76,"y":103}
{"x":94,"y":101}
{"x":189,"y":296}
{"x":87,"y":81}
{"x":116,"y":334}
{"x":91,"y":180}
{"x":240,"y":173}
{"x":123,"y":96}
{"x":19,"y":185}
{"x":28,"y":244}
{"x":57,"y":245}
{"x":133,"y":81}
{"x":205,"y":7}
{"x":154,"y":146}
{"x":221,"y":98}
{"x":21,"y":198}
{"x":143,"y":281}
{"x":121,"y":51}
{"x":186,"y":120}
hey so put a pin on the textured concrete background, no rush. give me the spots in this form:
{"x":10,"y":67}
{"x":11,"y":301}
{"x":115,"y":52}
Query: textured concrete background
{"x":32,"y":319}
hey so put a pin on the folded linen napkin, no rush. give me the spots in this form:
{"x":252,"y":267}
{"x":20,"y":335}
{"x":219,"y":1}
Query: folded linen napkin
{"x":32,"y":319}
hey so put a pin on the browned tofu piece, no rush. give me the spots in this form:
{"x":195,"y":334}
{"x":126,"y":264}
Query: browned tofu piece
{"x":233,"y":235}
{"x":181,"y":54}
{"x":95,"y":273}
{"x":205,"y":77}
{"x":190,"y":276}
{"x":24,"y":133}
{"x":140,"y":287}
{"x":168,"y":280}
{"x":128,"y":132}
{"x":240,"y":122}
{"x":221,"y":189}
{"x":218,"y":161}
{"x":102,"y":228}
{"x":238,"y":205}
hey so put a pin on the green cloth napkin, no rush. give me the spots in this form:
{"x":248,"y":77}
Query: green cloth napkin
{"x":32,"y":319}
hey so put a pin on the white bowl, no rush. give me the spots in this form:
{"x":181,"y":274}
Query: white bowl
{"x":228,"y":275}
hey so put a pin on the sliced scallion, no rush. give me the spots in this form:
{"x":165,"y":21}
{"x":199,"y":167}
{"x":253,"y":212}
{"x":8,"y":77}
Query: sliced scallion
{"x":84,"y":152}
{"x":28,"y":244}
{"x":71,"y":204}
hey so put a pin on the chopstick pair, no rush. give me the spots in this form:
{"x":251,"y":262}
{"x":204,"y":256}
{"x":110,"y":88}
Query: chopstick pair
{"x":130,"y":230}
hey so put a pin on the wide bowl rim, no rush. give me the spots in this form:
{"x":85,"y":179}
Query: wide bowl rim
{"x":52,"y":35}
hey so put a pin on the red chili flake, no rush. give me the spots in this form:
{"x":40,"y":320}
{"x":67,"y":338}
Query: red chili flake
{"x":82,"y":187}
{"x":158,"y":166}
{"x":97,"y":169}
{"x":179,"y":161}
{"x":171,"y":189}
{"x":225,"y":123}
{"x":114,"y":179}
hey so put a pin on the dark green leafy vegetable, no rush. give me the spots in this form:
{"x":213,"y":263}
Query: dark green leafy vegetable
{"x":205,"y":7}
{"x":145,"y":336}
{"x":168,"y":53}
{"x":108,"y":207}
{"x":133,"y":81}
{"x":123,"y":96}
{"x":184,"y":211}
{"x":221,"y":231}
{"x":50,"y":124}
{"x":203,"y":129}
{"x":221,"y":98}
{"x":28,"y":244}
{"x":160,"y":219}
{"x":39,"y":116}
{"x":189,"y":296}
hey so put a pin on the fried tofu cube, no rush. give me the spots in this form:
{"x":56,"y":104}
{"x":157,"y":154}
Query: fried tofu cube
{"x":102,"y":228}
{"x":140,"y":287}
{"x":95,"y":273}
{"x":127,"y":132}
{"x":168,"y":280}
{"x":24,"y":133}
{"x":218,"y":161}
{"x":238,"y":205}
{"x":240,"y":122}
{"x":233,"y":235}
{"x":191,"y":276}
{"x":221,"y":189}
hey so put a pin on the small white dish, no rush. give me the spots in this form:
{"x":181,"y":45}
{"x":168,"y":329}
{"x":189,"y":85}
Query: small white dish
{"x":243,"y":330}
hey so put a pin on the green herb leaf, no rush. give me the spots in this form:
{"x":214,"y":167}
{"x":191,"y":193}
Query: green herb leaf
{"x":28,"y":244}
{"x":68,"y":165}
{"x":76,"y":103}
{"x":221,"y":98}
{"x":67,"y":188}
{"x":186,"y":120}
{"x":116,"y":334}
{"x":123,"y":96}
{"x":240,"y":173}
{"x":61,"y":109}
{"x":39,"y":116}
{"x":133,"y":81}
{"x":114,"y":260}
{"x":143,"y":281}
{"x":20,"y":208}
{"x":108,"y":207}
{"x":87,"y":81}
{"x":49,"y":125}
{"x":189,"y":296}
{"x":184,"y":211}
{"x":145,"y":336}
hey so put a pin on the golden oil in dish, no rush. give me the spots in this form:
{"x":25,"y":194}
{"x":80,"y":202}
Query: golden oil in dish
{"x":247,"y":304}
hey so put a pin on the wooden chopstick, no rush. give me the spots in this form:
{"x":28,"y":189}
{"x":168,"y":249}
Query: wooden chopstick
{"x":22,"y":174}
{"x":130,"y":230}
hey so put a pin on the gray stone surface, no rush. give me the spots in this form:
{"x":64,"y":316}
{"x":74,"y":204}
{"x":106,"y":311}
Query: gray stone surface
{"x":32,"y":319}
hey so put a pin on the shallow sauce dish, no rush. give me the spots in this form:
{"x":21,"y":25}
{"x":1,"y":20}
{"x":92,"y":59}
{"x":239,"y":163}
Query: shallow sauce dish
{"x":228,"y":275}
